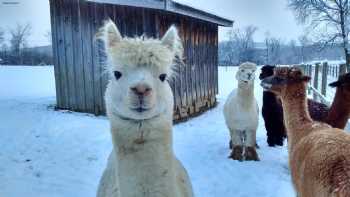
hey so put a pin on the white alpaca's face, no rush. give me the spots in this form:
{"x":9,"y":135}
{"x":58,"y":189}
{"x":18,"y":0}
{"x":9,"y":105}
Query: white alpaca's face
{"x":138,"y":92}
{"x":246,"y":74}
{"x":138,"y":69}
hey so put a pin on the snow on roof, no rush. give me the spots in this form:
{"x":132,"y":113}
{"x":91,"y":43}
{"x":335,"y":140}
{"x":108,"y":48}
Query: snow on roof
{"x":194,"y":5}
{"x":177,"y":7}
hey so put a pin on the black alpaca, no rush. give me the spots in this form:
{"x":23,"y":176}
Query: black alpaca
{"x":272,"y":112}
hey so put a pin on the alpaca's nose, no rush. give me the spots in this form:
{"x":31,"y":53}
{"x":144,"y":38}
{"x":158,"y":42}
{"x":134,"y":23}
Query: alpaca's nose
{"x":141,"y":89}
{"x":249,"y":75}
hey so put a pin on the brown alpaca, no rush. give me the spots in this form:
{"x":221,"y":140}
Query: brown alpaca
{"x":319,"y":155}
{"x":340,"y":109}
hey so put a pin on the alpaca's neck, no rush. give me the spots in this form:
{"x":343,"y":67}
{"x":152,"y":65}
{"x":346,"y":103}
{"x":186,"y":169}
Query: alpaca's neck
{"x":296,"y":116}
{"x":144,"y":157}
{"x":339,"y":112}
{"x":245,"y":91}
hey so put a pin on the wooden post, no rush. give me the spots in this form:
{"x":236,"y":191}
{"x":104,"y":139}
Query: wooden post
{"x":315,"y":82}
{"x":324,"y":78}
{"x":307,"y":72}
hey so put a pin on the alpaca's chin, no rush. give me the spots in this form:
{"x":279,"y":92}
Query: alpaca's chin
{"x":246,"y":82}
{"x":137,"y":113}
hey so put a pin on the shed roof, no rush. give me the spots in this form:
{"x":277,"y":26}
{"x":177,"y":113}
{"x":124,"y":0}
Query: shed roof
{"x":171,"y":6}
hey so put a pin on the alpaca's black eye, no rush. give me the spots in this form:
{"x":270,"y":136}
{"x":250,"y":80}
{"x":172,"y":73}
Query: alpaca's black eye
{"x":117,"y":75}
{"x":162,"y":77}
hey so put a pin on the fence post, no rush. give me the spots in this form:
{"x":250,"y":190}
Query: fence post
{"x":342,"y":69}
{"x":309,"y":73}
{"x":324,"y":78}
{"x":315,"y":84}
{"x":303,"y":67}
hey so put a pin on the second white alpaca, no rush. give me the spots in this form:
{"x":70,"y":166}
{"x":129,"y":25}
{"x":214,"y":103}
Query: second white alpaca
{"x":139,"y":105}
{"x":242,"y":115}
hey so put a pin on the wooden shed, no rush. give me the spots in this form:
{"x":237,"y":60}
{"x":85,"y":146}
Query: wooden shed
{"x":79,"y":73}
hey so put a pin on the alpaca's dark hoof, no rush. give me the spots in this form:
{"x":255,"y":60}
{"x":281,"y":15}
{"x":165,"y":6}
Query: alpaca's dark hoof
{"x":230,"y":144}
{"x":251,"y":154}
{"x":271,"y":145}
{"x":272,"y":142}
{"x":279,"y":143}
{"x":236,"y":153}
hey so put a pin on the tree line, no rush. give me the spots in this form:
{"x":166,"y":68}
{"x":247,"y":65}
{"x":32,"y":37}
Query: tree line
{"x":241,"y":47}
{"x":326,"y":36}
{"x":16,"y":50}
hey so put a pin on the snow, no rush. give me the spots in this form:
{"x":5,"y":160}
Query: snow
{"x":202,"y":7}
{"x":48,"y":153}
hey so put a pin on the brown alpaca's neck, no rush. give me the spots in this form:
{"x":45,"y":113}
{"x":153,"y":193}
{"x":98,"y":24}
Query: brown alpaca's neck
{"x":339,"y":112}
{"x":296,"y":116}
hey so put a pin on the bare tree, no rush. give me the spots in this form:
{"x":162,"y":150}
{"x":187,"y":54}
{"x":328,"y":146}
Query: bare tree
{"x":328,"y":19}
{"x":275,"y":48}
{"x":304,"y":42}
{"x":242,"y":42}
{"x":18,"y":40}
{"x":294,"y":54}
{"x":230,"y":49}
{"x":267,"y":49}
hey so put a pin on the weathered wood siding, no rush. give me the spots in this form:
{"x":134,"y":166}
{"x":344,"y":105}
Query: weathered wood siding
{"x":79,"y":73}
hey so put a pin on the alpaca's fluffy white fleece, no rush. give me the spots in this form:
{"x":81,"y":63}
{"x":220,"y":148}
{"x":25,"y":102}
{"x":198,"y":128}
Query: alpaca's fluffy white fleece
{"x":142,"y":163}
{"x":241,"y":109}
{"x":141,"y":51}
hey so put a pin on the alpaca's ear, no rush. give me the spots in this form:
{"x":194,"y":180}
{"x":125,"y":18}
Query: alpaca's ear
{"x":109,"y":33}
{"x":335,"y":84}
{"x":306,"y":78}
{"x":172,"y":41}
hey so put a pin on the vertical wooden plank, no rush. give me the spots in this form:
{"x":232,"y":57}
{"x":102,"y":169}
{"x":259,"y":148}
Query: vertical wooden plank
{"x":210,"y":68}
{"x":54,"y":33}
{"x":193,"y":64}
{"x":139,"y":22}
{"x":198,"y":68}
{"x":96,"y":23}
{"x":68,"y":40}
{"x":216,"y":59}
{"x":61,"y":53}
{"x":87,"y":52}
{"x":79,"y":76}
{"x":188,"y":66}
{"x":200,"y":63}
{"x":207,"y":60}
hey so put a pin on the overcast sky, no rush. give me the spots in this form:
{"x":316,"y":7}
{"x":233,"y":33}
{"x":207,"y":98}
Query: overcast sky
{"x":268,"y":15}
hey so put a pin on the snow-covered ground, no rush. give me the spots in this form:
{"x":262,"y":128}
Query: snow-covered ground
{"x":47,"y":153}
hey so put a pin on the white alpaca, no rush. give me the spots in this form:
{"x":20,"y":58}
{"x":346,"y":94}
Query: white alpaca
{"x":139,"y":105}
{"x":242,"y":114}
